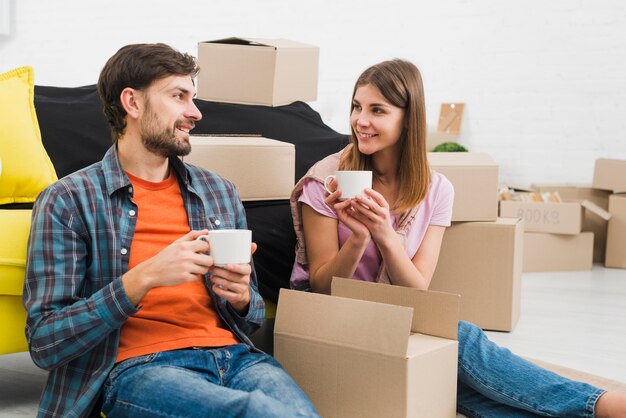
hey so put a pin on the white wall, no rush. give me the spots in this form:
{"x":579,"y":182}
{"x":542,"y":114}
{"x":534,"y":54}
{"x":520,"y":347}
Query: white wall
{"x":544,"y":82}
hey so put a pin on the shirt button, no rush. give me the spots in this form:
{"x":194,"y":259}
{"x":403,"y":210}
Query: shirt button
{"x":124,"y":251}
{"x":130,"y":190}
{"x":131,"y":212}
{"x":217,"y":222}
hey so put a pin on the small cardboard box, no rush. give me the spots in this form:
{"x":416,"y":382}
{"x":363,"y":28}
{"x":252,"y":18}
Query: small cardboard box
{"x":555,"y":218}
{"x":610,"y":174}
{"x":371,"y":350}
{"x":260,"y":168}
{"x":557,"y":252}
{"x":482,"y":261}
{"x":592,"y":222}
{"x":616,"y":235}
{"x":270,"y":72}
{"x":475,"y":179}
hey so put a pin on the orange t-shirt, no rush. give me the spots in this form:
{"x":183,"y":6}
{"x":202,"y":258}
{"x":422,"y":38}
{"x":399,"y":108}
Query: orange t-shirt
{"x":171,"y":317}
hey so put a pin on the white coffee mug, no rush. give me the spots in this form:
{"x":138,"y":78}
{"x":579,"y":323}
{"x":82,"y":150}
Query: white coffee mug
{"x":229,"y":246}
{"x":351,"y":182}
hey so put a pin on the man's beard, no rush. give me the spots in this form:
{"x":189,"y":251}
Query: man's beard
{"x":161,"y":140}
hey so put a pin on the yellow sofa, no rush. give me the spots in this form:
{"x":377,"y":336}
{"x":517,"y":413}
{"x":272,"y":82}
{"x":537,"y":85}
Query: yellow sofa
{"x":15,"y":226}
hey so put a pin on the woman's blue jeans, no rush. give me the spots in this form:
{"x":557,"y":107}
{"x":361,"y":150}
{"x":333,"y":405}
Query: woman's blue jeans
{"x":206,"y":382}
{"x":493,"y":382}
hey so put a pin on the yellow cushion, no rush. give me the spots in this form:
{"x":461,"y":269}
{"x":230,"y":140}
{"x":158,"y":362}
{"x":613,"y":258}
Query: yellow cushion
{"x":15,"y":227}
{"x":12,"y":324}
{"x":26,"y":167}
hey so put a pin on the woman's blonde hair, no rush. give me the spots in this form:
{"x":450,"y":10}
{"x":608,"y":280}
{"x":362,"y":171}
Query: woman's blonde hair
{"x":400,"y":82}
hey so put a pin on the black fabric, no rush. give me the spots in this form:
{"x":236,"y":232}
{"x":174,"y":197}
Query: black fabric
{"x":74,"y":131}
{"x":272,"y":230}
{"x":75,"y":134}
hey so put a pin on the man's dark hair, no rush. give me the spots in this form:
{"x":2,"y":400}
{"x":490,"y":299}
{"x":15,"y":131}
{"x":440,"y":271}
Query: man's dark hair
{"x":137,"y":66}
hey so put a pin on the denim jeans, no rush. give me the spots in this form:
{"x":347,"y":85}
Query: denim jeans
{"x":493,"y":382}
{"x":206,"y":382}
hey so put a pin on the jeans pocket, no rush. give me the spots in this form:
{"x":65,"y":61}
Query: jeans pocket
{"x":128,"y":364}
{"x":108,"y":392}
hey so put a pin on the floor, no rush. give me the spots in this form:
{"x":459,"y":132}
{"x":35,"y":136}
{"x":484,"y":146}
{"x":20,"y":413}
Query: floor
{"x":574,"y":319}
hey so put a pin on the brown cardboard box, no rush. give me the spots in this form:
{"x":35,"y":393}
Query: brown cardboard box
{"x":557,"y":252}
{"x":592,"y":222}
{"x":616,"y":235}
{"x":555,"y":218}
{"x":482,"y":261}
{"x":475,"y":179}
{"x":610,"y":174}
{"x":356,"y":357}
{"x":269,"y":72}
{"x":260,"y":168}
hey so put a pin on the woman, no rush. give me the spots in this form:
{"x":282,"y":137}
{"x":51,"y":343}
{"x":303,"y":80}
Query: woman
{"x":393,"y":234}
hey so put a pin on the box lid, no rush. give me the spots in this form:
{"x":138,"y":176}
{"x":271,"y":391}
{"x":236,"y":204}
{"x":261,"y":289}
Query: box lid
{"x":434,"y":313}
{"x":363,"y":325}
{"x":260,"y":42}
{"x":590,"y":206}
{"x":237,"y":141}
{"x":460,"y":159}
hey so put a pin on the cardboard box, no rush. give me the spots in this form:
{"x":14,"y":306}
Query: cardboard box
{"x":592,"y":222}
{"x":270,"y":72}
{"x":558,"y":252}
{"x":475,"y":179}
{"x":616,"y":235}
{"x":610,"y":174}
{"x":555,"y":218}
{"x":482,"y":261}
{"x":260,"y":168}
{"x":371,"y":350}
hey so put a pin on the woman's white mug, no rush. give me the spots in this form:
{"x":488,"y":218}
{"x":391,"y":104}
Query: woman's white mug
{"x":229,"y":246}
{"x":351,"y":182}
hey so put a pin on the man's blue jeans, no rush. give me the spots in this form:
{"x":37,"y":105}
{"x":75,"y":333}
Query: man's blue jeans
{"x":206,"y":382}
{"x":493,"y":382}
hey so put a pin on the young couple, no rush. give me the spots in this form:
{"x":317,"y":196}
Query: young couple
{"x":126,"y":308}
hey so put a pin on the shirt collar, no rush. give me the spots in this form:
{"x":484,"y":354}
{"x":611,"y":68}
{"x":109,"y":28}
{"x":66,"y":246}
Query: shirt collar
{"x":115,"y":177}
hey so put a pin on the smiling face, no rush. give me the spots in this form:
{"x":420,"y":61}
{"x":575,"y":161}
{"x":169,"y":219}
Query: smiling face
{"x":376,"y":123}
{"x":168,"y":116}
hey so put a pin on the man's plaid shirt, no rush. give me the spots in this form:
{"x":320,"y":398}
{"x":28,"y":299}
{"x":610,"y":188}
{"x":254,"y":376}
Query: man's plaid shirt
{"x":78,"y":249}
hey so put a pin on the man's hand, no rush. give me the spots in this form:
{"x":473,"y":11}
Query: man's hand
{"x":232,"y":282}
{"x":180,"y":262}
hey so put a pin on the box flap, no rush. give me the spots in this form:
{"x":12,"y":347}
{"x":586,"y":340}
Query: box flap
{"x":237,"y":141}
{"x":434,"y":313}
{"x":272,"y":43}
{"x":589,"y":205}
{"x":368,"y":326}
{"x":239,"y":41}
{"x":460,"y":159}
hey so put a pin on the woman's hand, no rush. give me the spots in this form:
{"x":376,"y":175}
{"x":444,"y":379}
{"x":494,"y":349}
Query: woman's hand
{"x":345,"y":211}
{"x":372,"y":211}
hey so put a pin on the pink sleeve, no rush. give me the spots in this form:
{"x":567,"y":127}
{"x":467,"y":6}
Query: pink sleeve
{"x":442,"y":208}
{"x":313,"y":194}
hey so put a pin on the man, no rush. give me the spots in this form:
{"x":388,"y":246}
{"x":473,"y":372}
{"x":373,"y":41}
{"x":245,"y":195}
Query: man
{"x":124,"y":303}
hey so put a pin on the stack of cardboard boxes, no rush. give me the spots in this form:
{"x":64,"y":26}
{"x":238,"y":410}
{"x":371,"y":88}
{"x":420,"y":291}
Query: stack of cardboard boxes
{"x":270,"y":72}
{"x":566,"y":225}
{"x":558,"y":233}
{"x":481,"y":254}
